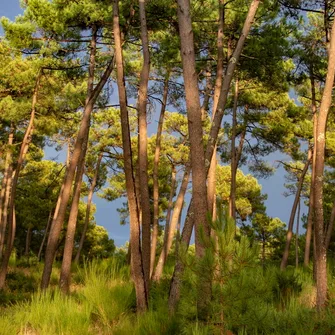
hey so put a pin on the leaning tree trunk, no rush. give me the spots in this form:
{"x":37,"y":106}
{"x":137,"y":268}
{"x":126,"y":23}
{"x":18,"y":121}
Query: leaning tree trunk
{"x":58,"y":220}
{"x":23,"y":151}
{"x":233,"y":165}
{"x":88,"y":208}
{"x":195,"y":131}
{"x":320,"y":141}
{"x":44,"y":236}
{"x":310,"y":218}
{"x":297,"y":238}
{"x":137,"y":271}
{"x":155,"y":176}
{"x":143,"y":147}
{"x":6,"y":187}
{"x":293,"y":211}
{"x":65,"y":276}
{"x":173,"y":225}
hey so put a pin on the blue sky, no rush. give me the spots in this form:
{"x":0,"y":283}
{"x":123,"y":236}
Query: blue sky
{"x":106,"y":214}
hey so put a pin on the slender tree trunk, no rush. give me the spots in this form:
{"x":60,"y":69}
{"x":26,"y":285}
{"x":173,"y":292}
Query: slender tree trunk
{"x":28,"y":241}
{"x":88,"y":208}
{"x":174,"y":221}
{"x":65,"y":276}
{"x":6,"y":187}
{"x":155,"y":176}
{"x":136,"y":252}
{"x":143,"y":146}
{"x":58,"y":220}
{"x":293,"y":212}
{"x":330,"y":227}
{"x":23,"y":151}
{"x":233,"y":165}
{"x":44,"y":236}
{"x":297,"y":238}
{"x":176,"y":280}
{"x":310,"y":218}
{"x":321,"y":252}
{"x":211,"y":182}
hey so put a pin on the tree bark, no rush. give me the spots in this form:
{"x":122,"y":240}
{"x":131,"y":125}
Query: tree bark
{"x":28,"y":241}
{"x":320,"y":140}
{"x":233,"y":165}
{"x":88,"y":208}
{"x":44,"y":236}
{"x":176,"y":280}
{"x":310,"y":218}
{"x":155,"y":176}
{"x":137,"y":271}
{"x":58,"y":220}
{"x":65,"y":276}
{"x":23,"y":151}
{"x":174,"y":221}
{"x":297,"y":238}
{"x":293,"y":212}
{"x":143,"y":146}
{"x":6,"y":187}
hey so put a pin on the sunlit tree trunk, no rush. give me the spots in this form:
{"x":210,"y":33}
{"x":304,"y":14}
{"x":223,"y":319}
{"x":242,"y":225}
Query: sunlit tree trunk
{"x":293,"y":212}
{"x":155,"y":176}
{"x":6,"y":188}
{"x":58,"y":220}
{"x":137,"y":271}
{"x":310,"y":218}
{"x":23,"y":151}
{"x":320,"y":141}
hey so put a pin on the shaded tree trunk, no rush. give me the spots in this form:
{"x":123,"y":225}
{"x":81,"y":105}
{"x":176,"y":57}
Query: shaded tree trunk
{"x":293,"y":212}
{"x":28,"y":241}
{"x":58,"y":219}
{"x":174,"y":221}
{"x":88,"y":208}
{"x":23,"y":151}
{"x":233,"y":165}
{"x":330,"y":227}
{"x":320,"y":140}
{"x":137,"y":271}
{"x":155,"y":176}
{"x":44,"y":236}
{"x":176,"y":280}
{"x":297,"y":238}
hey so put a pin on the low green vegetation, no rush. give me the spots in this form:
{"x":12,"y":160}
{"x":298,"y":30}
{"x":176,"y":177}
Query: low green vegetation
{"x":248,"y":297}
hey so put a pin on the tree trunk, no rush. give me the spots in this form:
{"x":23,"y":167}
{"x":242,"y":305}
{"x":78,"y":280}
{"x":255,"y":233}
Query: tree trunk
{"x":65,"y":276}
{"x":195,"y":131}
{"x":233,"y":165}
{"x":176,"y":280}
{"x":143,"y":146}
{"x":155,"y":176}
{"x":58,"y":220}
{"x":28,"y":240}
{"x":330,"y":227}
{"x":6,"y":187}
{"x":293,"y":212}
{"x":297,"y":238}
{"x":44,"y":236}
{"x":88,"y":208}
{"x":174,"y":221}
{"x":321,"y":252}
{"x":136,"y":252}
{"x":23,"y":151}
{"x":310,"y":218}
